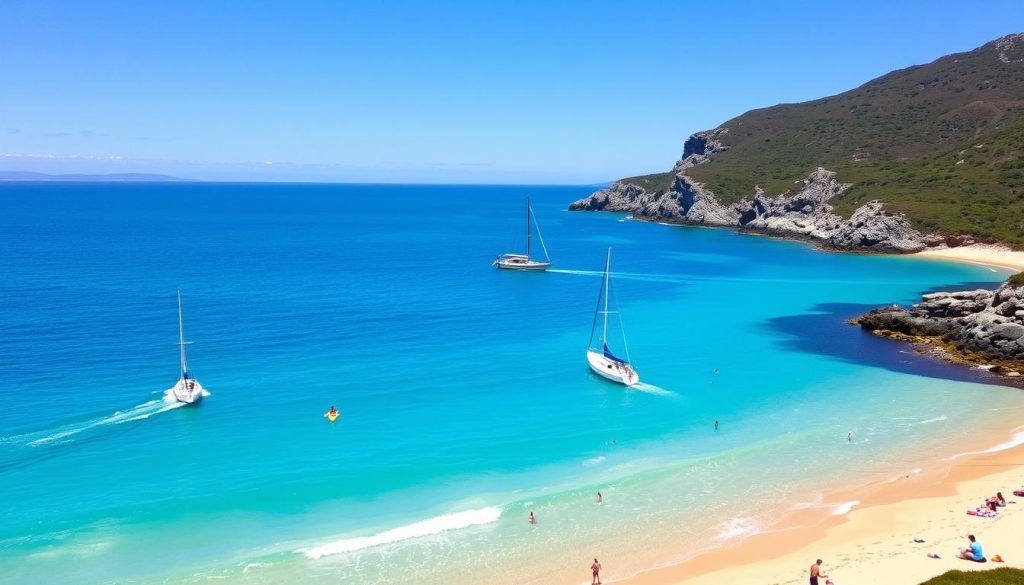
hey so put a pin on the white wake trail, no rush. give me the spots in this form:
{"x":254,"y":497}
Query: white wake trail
{"x":652,"y":389}
{"x":66,"y":433}
{"x":673,"y":278}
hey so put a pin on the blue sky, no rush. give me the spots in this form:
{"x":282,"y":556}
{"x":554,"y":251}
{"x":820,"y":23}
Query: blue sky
{"x":440,"y":91}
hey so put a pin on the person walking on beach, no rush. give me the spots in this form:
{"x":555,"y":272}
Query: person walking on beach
{"x":598,"y":498}
{"x":595,"y":571}
{"x":816,"y":572}
{"x":533,"y":519}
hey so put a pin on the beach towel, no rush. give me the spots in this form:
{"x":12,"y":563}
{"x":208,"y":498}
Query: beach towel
{"x":1019,"y":493}
{"x":983,"y":513}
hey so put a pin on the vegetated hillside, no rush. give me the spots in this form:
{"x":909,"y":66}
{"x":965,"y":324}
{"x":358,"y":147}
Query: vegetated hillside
{"x":977,"y":189}
{"x":942,"y":143}
{"x":1001,"y":576}
{"x":655,"y":183}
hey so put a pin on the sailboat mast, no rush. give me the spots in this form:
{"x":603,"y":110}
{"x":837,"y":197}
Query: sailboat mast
{"x":527,"y":228}
{"x":607,"y":265}
{"x":181,"y":339}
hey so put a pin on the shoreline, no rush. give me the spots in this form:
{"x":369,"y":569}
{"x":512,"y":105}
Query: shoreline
{"x":874,"y":540}
{"x":990,"y":255}
{"x":983,"y":254}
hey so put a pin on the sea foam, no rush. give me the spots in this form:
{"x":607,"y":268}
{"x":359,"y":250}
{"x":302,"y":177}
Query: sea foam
{"x":428,"y":527}
{"x":738,"y":528}
{"x":844,"y":508}
{"x":1018,"y":439}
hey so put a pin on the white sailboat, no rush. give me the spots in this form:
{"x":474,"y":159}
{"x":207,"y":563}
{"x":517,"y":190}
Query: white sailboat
{"x":602,"y":360}
{"x":188,"y":389}
{"x":524,"y":261}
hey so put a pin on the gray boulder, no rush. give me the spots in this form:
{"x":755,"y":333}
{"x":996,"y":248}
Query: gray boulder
{"x":978,"y":325}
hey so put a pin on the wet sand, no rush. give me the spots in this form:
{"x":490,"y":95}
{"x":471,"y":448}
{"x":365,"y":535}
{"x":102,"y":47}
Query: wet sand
{"x":875,"y":542}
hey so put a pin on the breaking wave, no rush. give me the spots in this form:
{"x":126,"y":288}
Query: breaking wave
{"x":428,"y":527}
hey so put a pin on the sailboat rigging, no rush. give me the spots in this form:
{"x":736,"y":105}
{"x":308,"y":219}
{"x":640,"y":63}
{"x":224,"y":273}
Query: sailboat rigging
{"x":605,"y":363}
{"x":187,"y":389}
{"x":525,"y":261}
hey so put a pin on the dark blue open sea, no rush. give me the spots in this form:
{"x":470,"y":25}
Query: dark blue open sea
{"x":465,"y":397}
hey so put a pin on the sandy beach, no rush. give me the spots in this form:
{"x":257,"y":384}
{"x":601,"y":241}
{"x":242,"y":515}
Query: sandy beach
{"x":876,"y":541}
{"x":988,"y":255}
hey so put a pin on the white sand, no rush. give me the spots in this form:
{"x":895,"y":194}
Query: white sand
{"x":989,"y":255}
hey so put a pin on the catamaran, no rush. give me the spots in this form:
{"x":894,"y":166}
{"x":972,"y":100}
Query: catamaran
{"x":524,"y":261}
{"x":603,"y":361}
{"x":188,"y":389}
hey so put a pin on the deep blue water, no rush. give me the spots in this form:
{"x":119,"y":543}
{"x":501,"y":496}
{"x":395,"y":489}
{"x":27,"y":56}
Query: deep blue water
{"x":463,"y":389}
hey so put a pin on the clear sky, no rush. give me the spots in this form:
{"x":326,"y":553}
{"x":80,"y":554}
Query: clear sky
{"x":433,"y":91}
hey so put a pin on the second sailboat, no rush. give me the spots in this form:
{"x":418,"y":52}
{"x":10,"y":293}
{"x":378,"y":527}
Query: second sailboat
{"x":524,"y":261}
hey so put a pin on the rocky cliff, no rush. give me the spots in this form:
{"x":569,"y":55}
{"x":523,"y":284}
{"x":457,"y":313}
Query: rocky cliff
{"x":936,"y":148}
{"x":804,"y":214}
{"x":979,"y":326}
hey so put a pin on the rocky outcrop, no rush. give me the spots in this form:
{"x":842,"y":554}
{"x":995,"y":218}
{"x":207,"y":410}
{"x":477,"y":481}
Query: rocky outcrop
{"x":699,"y":147}
{"x":806,"y":214}
{"x":979,"y":326}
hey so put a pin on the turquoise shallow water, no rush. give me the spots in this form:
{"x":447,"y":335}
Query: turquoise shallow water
{"x":465,"y":397}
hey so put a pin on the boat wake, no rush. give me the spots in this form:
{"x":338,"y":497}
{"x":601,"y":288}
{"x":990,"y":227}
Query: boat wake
{"x":652,"y":389}
{"x":70,"y":432}
{"x":420,"y":529}
{"x":672,"y":278}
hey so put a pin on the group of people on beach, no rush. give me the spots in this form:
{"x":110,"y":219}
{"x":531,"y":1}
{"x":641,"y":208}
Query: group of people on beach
{"x":973,"y":551}
{"x":989,"y":508}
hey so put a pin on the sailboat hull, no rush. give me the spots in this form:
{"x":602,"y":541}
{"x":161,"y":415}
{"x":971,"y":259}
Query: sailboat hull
{"x":611,"y":370}
{"x":188,"y":391}
{"x":509,"y":262}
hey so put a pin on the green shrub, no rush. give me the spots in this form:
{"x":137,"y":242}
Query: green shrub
{"x":1001,"y":576}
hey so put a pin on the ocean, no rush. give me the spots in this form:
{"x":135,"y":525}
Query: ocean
{"x":465,"y":397}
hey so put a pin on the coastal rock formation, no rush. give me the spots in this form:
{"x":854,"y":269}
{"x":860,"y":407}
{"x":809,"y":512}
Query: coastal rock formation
{"x":699,"y":147}
{"x":805,"y":214}
{"x":979,"y":326}
{"x":932,"y":147}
